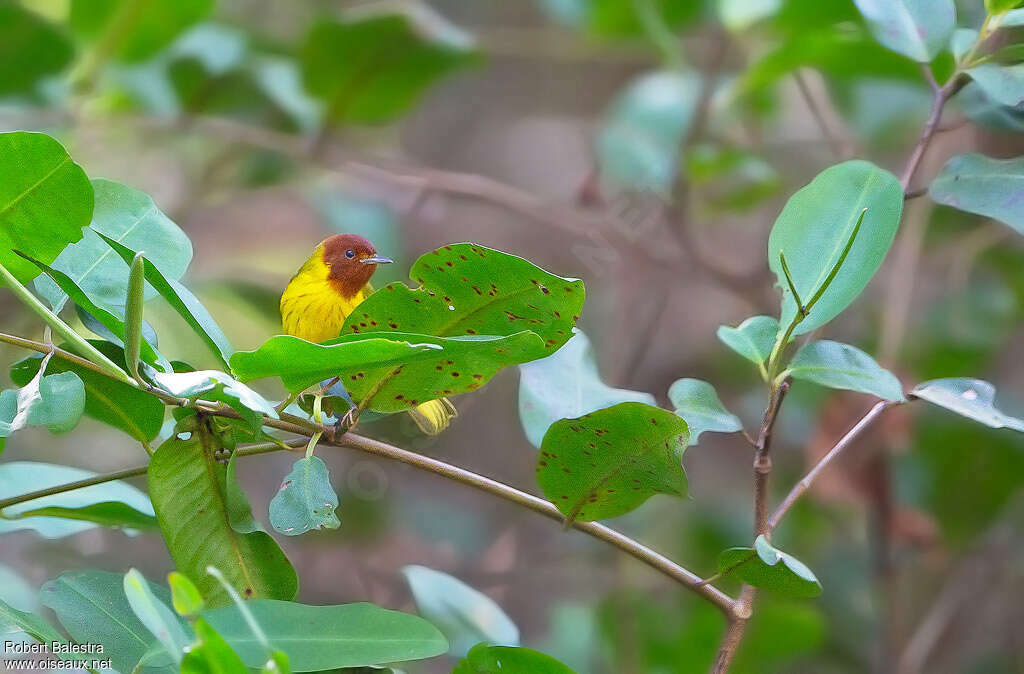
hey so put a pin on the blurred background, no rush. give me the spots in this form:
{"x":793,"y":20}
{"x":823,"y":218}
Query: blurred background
{"x":644,"y":146}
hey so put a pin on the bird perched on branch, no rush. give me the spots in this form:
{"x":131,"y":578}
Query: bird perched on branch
{"x":327,"y":288}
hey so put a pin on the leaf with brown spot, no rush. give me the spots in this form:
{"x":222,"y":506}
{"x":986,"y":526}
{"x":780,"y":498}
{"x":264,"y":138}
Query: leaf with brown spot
{"x":639,"y":460}
{"x":451,"y":301}
{"x":397,"y":369}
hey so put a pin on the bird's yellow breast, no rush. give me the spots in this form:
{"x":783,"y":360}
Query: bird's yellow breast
{"x":311,"y":307}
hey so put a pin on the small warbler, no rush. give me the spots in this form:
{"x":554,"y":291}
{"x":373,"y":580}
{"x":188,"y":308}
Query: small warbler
{"x":327,"y":288}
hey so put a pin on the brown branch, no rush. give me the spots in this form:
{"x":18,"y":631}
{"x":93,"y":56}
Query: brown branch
{"x":801,"y":487}
{"x":306,"y":429}
{"x":942,"y":95}
{"x":743,"y":608}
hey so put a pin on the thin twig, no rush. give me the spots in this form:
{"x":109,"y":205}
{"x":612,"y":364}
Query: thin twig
{"x":801,"y":487}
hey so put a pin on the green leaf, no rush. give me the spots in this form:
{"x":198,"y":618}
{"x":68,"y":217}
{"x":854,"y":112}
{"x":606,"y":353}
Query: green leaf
{"x":117,"y":404}
{"x":464,"y":615}
{"x":45,"y":200}
{"x":132,"y":31}
{"x":317,"y":638}
{"x":466,"y":289}
{"x":113,"y":323}
{"x":566,"y":385}
{"x":188,"y":488}
{"x":609,"y":462}
{"x":697,"y":403}
{"x":93,"y":608}
{"x":185,"y":595}
{"x":759,"y":566}
{"x":638,"y":144}
{"x":842,"y":366}
{"x":815,"y":227}
{"x":13,"y":620}
{"x":31,"y":49}
{"x":217,"y":386}
{"x":374,"y":63}
{"x":20,"y":477}
{"x":130,"y":217}
{"x":1003,"y":84}
{"x":104,"y":513}
{"x":155,"y":616}
{"x":971,"y":398}
{"x":55,"y":401}
{"x":919,"y":29}
{"x":305,"y":501}
{"x":182,"y":301}
{"x":978,"y":184}
{"x":410,"y":368}
{"x":484,"y":659}
{"x":212,"y":655}
{"x":753,"y":338}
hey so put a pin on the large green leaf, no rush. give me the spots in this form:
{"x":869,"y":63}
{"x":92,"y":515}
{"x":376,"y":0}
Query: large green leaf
{"x":375,"y":62}
{"x":130,"y":30}
{"x":485,"y":659}
{"x":130,"y":217}
{"x":815,"y":227}
{"x":978,"y":184}
{"x":305,"y":501}
{"x":31,"y":49}
{"x":93,"y":608}
{"x":609,"y":462}
{"x":467,"y":289}
{"x":753,"y":338}
{"x":566,"y":385}
{"x":189,"y":492}
{"x":124,"y":407}
{"x":318,"y":638}
{"x":182,"y":301}
{"x":971,"y":398}
{"x":919,"y":29}
{"x":697,"y":402}
{"x":115,"y":324}
{"x":464,"y":615}
{"x":842,"y":366}
{"x":399,"y":370}
{"x":20,"y":477}
{"x":639,"y":142}
{"x":45,"y":200}
{"x":770,"y":568}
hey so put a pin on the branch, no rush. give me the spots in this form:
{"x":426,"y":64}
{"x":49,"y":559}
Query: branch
{"x":306,"y":429}
{"x":803,"y":485}
{"x":942,"y":95}
{"x":742,"y":608}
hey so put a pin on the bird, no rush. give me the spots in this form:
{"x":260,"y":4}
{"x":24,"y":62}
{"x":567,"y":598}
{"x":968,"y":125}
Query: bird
{"x":327,"y":288}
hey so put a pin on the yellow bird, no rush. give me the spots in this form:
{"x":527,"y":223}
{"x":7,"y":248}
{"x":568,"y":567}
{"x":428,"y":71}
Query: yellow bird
{"x":327,"y":288}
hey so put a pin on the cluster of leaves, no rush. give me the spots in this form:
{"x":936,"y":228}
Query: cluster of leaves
{"x":476,"y":311}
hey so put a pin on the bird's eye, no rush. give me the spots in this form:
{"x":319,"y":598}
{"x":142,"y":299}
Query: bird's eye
{"x":350,"y":253}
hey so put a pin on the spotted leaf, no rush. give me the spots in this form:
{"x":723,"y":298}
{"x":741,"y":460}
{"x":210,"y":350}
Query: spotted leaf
{"x":466,"y":289}
{"x":971,"y":398}
{"x":607,"y":463}
{"x":397,"y":370}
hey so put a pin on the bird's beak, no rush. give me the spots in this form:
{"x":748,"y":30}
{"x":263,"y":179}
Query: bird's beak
{"x":376,"y":259}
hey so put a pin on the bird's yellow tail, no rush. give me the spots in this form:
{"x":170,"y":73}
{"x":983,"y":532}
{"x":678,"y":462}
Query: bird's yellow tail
{"x":434,"y":416}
